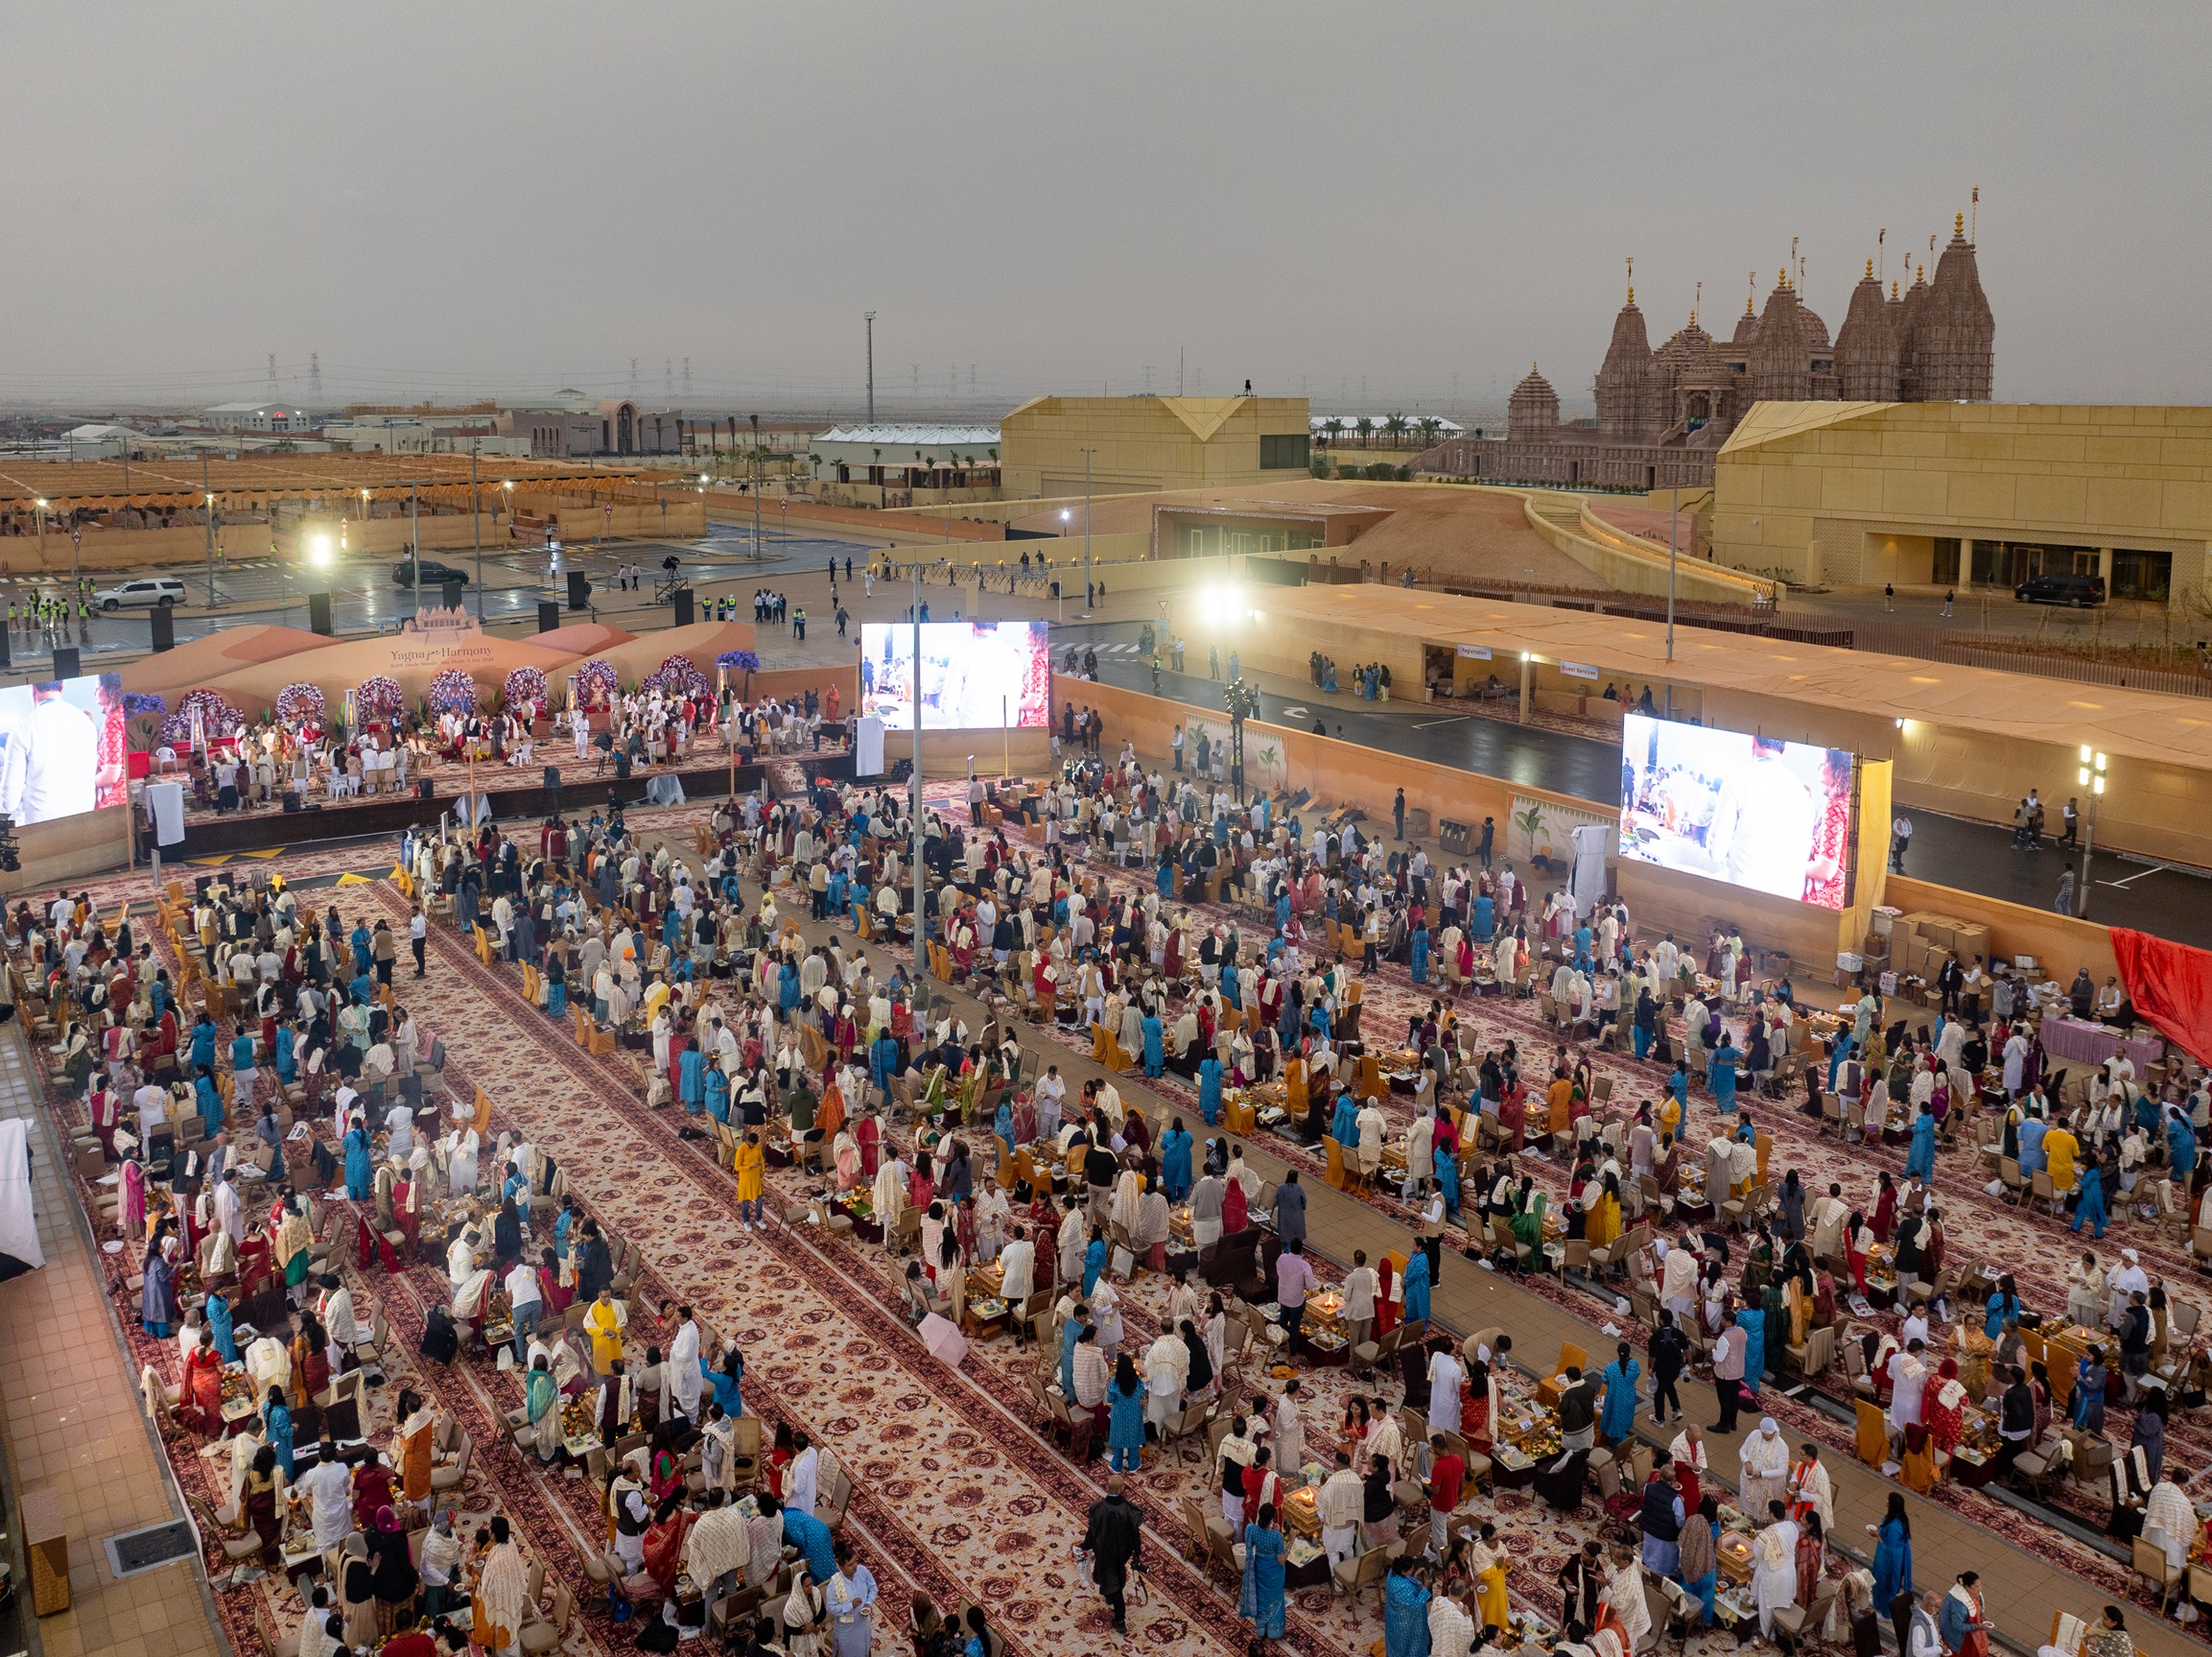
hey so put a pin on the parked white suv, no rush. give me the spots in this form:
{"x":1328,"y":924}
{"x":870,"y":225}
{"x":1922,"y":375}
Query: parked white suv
{"x":160,"y":591}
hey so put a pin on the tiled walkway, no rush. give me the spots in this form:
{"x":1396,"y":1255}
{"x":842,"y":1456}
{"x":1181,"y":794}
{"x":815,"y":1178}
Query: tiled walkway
{"x":74,"y":1425}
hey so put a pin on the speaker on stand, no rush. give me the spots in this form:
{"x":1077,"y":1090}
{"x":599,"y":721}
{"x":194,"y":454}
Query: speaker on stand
{"x":683,"y":606}
{"x":548,"y":615}
{"x":164,"y":621}
{"x":318,"y":614}
{"x":65,"y":662}
{"x":580,"y":590}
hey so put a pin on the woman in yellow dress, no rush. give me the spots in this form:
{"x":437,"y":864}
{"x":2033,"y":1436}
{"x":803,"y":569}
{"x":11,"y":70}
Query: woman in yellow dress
{"x":1604,"y":1223}
{"x":1491,"y":1610}
{"x":412,"y":1449}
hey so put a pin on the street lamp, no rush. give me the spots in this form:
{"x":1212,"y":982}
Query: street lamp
{"x":1242,"y":702}
{"x":2091,"y":776}
{"x":1087,"y":454}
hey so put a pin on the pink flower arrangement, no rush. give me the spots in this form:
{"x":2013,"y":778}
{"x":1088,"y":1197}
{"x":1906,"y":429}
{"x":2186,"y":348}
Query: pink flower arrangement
{"x":597,"y":683}
{"x":378,"y":696}
{"x":452,"y":690}
{"x":299,"y":703}
{"x":525,"y":684}
{"x":676,"y":677}
{"x":219,"y":721}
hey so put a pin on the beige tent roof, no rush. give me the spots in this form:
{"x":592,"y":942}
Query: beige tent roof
{"x":701,"y":641}
{"x":2141,"y":724}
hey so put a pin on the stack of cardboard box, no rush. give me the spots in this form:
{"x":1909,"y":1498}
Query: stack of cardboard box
{"x":1922,"y":941}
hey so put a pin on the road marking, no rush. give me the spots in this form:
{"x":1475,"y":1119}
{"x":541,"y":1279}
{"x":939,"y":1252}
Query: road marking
{"x":1296,"y":712}
{"x":2137,"y":875}
{"x":1431,"y":724}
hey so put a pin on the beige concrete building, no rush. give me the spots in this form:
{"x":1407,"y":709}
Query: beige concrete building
{"x":1856,"y":494}
{"x":1146,"y":442}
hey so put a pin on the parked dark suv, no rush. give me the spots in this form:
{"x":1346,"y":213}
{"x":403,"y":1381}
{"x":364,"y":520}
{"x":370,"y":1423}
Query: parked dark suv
{"x":2083,"y":592}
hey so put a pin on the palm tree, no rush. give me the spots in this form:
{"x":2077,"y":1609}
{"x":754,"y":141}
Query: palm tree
{"x":1393,"y":428}
{"x":1365,"y":427}
{"x":1332,"y":428}
{"x":1430,"y":425}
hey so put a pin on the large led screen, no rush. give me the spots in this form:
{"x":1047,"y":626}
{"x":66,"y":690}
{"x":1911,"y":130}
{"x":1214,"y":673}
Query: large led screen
{"x":974,"y":675}
{"x":1755,"y":812}
{"x":61,"y":748}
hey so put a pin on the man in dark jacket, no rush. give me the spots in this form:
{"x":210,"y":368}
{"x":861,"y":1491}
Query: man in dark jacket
{"x":1114,"y":1539}
{"x":1577,"y":1412}
{"x":1668,"y":1352}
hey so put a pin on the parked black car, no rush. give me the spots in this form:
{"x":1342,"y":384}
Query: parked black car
{"x":434,"y":575}
{"x":2083,"y":592}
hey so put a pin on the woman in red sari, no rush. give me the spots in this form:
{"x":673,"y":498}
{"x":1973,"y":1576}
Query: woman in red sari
{"x":1386,"y":1312}
{"x":665,"y":1542}
{"x":1475,"y":1425}
{"x":556,"y":1294}
{"x":372,"y":1489}
{"x":1945,"y":1406}
{"x":868,"y":1135}
{"x":201,"y":1402}
{"x":1236,"y":1210}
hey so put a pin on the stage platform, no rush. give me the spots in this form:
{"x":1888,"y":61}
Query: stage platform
{"x":513,"y":800}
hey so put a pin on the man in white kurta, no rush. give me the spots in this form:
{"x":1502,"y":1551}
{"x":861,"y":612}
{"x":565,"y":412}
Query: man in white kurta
{"x":683,"y":1364}
{"x":1766,"y":1468}
{"x":1445,"y":1376}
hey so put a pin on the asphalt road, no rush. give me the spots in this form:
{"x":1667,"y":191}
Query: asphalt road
{"x":1975,"y":856}
{"x":363,"y":594}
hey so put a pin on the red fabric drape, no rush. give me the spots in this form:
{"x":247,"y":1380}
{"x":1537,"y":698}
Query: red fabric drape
{"x":2171,"y":984}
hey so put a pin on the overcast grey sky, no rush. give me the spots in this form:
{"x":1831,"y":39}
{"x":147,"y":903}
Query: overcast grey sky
{"x":451,"y":200}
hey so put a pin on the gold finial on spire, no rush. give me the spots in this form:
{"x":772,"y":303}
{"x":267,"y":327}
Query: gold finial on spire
{"x":1869,"y":268}
{"x":1631,"y":278}
{"x":1959,"y":225}
{"x":1919,"y":274}
{"x":1973,"y":229}
{"x":1892,"y":287}
{"x":1696,"y":302}
{"x":1783,"y":277}
{"x":1753,"y":279}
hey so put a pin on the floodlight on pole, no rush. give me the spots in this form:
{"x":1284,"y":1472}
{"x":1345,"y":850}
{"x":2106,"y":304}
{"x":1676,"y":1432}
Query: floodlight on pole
{"x":2089,"y":775}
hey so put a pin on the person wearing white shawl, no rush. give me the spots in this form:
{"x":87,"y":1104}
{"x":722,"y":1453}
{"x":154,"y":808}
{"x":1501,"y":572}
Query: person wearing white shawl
{"x":1624,"y":1593}
{"x":1774,"y":1567}
{"x":1679,"y":1289}
{"x":890,"y":1191}
{"x":1166,"y":1372}
{"x":461,"y":1153}
{"x":1451,"y":1631}
{"x":1766,"y":1465}
{"x":1128,"y":1194}
{"x":714,"y":1547}
{"x":501,"y":1591}
{"x":2170,"y":1521}
{"x":1811,"y":1491}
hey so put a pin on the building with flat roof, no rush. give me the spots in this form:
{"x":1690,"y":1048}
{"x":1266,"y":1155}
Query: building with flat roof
{"x":1861,"y":494}
{"x":259,"y":418}
{"x":1147,"y":442}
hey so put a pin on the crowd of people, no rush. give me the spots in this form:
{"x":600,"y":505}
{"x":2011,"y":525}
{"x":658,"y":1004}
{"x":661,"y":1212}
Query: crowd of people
{"x":1214,"y":946}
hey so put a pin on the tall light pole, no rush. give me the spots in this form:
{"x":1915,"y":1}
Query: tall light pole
{"x":2091,"y":776}
{"x":914,"y":698}
{"x":1087,"y":454}
{"x":41,"y":534}
{"x":415,"y":535}
{"x":1063,"y":515}
{"x":755,"y":420}
{"x":871,"y":368}
{"x":475,"y":532}
{"x":208,"y":511}
{"x":1673,"y":517}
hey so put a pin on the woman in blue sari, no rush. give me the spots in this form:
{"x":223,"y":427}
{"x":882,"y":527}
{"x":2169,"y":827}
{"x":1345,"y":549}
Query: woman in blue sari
{"x":1417,"y":1286}
{"x":1093,"y":1261}
{"x":1617,"y":1420}
{"x":1420,"y":954}
{"x":219,"y":1321}
{"x":727,"y":1382}
{"x":358,"y":1172}
{"x":715,"y":1087}
{"x":1404,"y":1610}
{"x":207,"y":1101}
{"x":276,"y":1414}
{"x":1175,"y":1162}
{"x":1344,"y":1126}
{"x":1210,"y":1083}
{"x":1124,"y":1416}
{"x":1700,"y":1553}
{"x":1753,"y":1321}
{"x":287,"y":1065}
{"x":1892,"y":1554}
{"x":1260,"y":1601}
{"x":1155,"y":1055}
{"x":1921,"y":1160}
